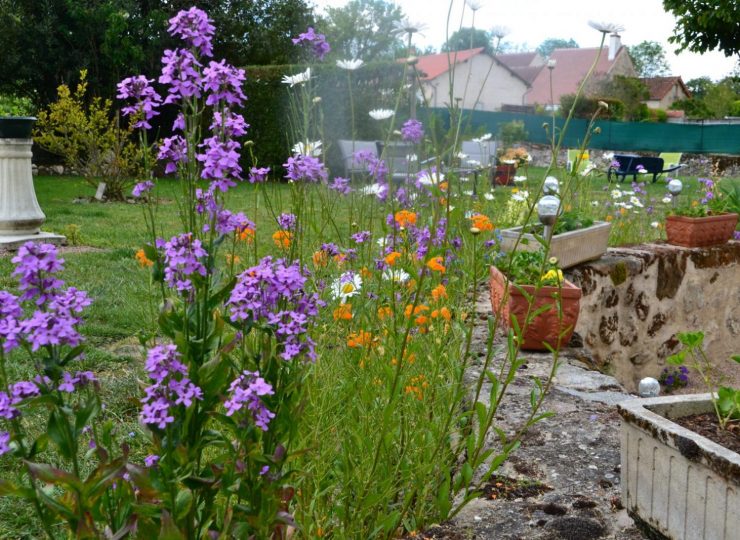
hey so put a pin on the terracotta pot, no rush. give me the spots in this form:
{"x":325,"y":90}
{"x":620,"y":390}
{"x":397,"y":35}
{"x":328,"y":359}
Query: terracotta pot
{"x":504,"y":174}
{"x":508,"y":301}
{"x":700,"y":231}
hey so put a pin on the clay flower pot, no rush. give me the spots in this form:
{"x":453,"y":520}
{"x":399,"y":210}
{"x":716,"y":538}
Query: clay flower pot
{"x":700,"y":231}
{"x":508,"y":300}
{"x":504,"y":174}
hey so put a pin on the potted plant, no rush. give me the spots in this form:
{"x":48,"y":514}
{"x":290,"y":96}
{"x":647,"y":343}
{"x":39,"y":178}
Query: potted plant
{"x":508,"y":162}
{"x":531,"y":295}
{"x":701,"y":223}
{"x":677,"y":482}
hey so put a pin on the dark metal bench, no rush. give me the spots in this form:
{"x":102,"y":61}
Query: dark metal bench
{"x":634,"y":165}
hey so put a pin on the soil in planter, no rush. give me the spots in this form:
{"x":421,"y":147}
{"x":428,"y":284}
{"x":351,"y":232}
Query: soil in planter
{"x":503,"y":487}
{"x":707,"y":426}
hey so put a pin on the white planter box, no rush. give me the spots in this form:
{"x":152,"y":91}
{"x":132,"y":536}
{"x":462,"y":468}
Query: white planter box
{"x":675,"y":482}
{"x":570,"y":248}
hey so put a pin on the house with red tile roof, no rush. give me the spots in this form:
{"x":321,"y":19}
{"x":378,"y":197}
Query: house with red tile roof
{"x":570,"y":67}
{"x":664,"y":91}
{"x":478,"y":80}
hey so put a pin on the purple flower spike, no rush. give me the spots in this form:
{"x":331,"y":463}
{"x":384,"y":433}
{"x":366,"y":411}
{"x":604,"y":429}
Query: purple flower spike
{"x":412,"y":131}
{"x":4,"y":442}
{"x":258,"y":175}
{"x":172,"y":151}
{"x":317,"y":42}
{"x":246,"y":390}
{"x":34,"y":264}
{"x":305,"y":168}
{"x":287,"y":221}
{"x":180,"y":71}
{"x":224,"y":83}
{"x":195,"y":28}
{"x":147,"y":100}
{"x":341,"y":185}
{"x":142,"y":188}
{"x":183,"y":256}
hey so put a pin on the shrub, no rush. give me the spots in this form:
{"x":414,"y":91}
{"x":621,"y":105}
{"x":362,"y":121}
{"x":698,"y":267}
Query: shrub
{"x":587,"y":107}
{"x":90,"y":140}
{"x":15,"y":106}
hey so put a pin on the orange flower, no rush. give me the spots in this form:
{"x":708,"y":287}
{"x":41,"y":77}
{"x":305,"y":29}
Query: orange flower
{"x":421,"y":320}
{"x":384,"y":312}
{"x":360,"y":339}
{"x":417,"y":386}
{"x":623,"y":211}
{"x":443,"y":186}
{"x":442,"y":201}
{"x":404,"y":218}
{"x":481,"y":222}
{"x":282,"y":239}
{"x":609,"y":217}
{"x":233,"y":259}
{"x":421,"y":308}
{"x":343,"y":312}
{"x":320,"y":258}
{"x":392,"y":257}
{"x":408,"y":357}
{"x":439,"y":292}
{"x":365,"y":273}
{"x":141,"y":257}
{"x":443,"y":313}
{"x":247,"y":235}
{"x":435,"y":264}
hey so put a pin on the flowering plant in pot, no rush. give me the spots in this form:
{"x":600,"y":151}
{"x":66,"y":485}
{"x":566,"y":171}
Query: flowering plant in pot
{"x":530,"y":294}
{"x":704,"y":222}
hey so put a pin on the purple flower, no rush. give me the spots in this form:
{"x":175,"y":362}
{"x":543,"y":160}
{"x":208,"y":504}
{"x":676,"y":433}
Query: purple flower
{"x":180,"y":71}
{"x":4,"y":442}
{"x":273,"y":293}
{"x":377,"y":167}
{"x":142,"y":188}
{"x":34,"y":262}
{"x":220,"y":162}
{"x":183,"y":259}
{"x":179,"y":123}
{"x":22,"y":390}
{"x":331,"y":249}
{"x":341,"y":185}
{"x":10,"y":312}
{"x":361,"y":237}
{"x":229,"y":124}
{"x":151,"y":460}
{"x":195,"y":28}
{"x":228,"y":222}
{"x":173,"y":150}
{"x":317,"y":42}
{"x":287,"y":221}
{"x":224,"y":83}
{"x":147,"y":100}
{"x":71,"y":383}
{"x":246,"y":390}
{"x":736,"y":235}
{"x":305,"y":168}
{"x":7,"y":409}
{"x":412,"y":131}
{"x":258,"y":175}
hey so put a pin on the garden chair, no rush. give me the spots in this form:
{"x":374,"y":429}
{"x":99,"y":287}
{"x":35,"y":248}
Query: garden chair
{"x":401,"y":159}
{"x":672,"y":160}
{"x":583,"y":164}
{"x":348,"y":150}
{"x":482,"y":153}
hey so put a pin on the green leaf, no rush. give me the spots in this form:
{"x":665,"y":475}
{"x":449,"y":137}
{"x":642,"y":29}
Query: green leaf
{"x":169,"y":530}
{"x":736,"y":358}
{"x":183,"y":503}
{"x":691,"y":339}
{"x":676,"y":359}
{"x":443,"y":498}
{"x":59,"y":431}
{"x":52,"y":475}
{"x":87,"y":413}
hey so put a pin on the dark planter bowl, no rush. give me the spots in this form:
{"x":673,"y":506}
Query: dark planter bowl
{"x":16,"y":127}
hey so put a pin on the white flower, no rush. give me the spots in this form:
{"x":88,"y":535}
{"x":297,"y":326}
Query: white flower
{"x":300,"y":78}
{"x":382,"y":241}
{"x":407,"y":26}
{"x":348,"y":285}
{"x":473,"y":162}
{"x":591,"y":167}
{"x":460,"y":155}
{"x":396,"y":274}
{"x":608,"y":156}
{"x":374,"y":189}
{"x":655,"y":224}
{"x":628,"y":193}
{"x":634,"y":200}
{"x":508,"y":161}
{"x":520,"y":196}
{"x":412,"y":157}
{"x":519,"y":179}
{"x":483,"y":138}
{"x":488,"y":196}
{"x":469,"y":214}
{"x":469,"y":193}
{"x":428,"y":178}
{"x":594,"y":203}
{"x":667,"y":199}
{"x":308,"y":149}
{"x":350,"y":65}
{"x":474,"y":5}
{"x":381,"y":114}
{"x":616,"y":194}
{"x":606,"y":27}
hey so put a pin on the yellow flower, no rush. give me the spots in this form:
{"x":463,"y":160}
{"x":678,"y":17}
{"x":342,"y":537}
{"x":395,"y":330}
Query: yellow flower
{"x":553,"y":275}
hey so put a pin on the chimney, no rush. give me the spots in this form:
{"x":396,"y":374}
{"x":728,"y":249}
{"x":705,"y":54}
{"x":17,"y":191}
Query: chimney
{"x":614,"y":45}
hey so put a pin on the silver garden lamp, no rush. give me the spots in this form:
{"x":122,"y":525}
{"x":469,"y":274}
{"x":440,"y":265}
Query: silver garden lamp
{"x":548,"y":208}
{"x":674,"y":188}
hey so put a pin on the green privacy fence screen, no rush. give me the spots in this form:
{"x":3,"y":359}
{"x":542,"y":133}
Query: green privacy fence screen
{"x":620,"y":136}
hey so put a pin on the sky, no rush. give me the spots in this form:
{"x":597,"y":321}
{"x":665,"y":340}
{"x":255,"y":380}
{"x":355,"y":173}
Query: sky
{"x":533,"y":21}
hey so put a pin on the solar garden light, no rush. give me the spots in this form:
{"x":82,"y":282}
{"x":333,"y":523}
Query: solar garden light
{"x":551,"y":186}
{"x":674,"y":187}
{"x":648,"y":387}
{"x":547,"y":212}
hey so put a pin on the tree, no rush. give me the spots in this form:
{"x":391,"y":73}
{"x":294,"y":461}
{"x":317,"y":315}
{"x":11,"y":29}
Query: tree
{"x":46,"y":44}
{"x":703,"y":26}
{"x":363,"y":29}
{"x":720,"y":100}
{"x":699,"y":86}
{"x":469,"y":38}
{"x":649,"y":59}
{"x":631,"y":91}
{"x":550,"y":44}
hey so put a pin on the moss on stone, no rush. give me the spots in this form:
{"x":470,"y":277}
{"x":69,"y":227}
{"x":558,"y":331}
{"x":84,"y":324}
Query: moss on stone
{"x":618,"y":274}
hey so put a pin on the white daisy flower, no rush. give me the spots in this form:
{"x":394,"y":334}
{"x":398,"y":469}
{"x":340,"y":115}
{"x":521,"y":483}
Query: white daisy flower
{"x":396,"y":274}
{"x":616,"y":194}
{"x":348,"y":285}
{"x":381,"y":114}
{"x":655,"y":224}
{"x":608,"y":156}
{"x":606,"y":27}
{"x":483,"y":138}
{"x":469,"y":193}
{"x":667,"y":199}
{"x":300,"y":78}
{"x":428,"y":178}
{"x":461,"y":155}
{"x":350,"y":65}
{"x":594,"y":203}
{"x":488,"y":196}
{"x":635,"y":201}
{"x":520,"y":196}
{"x":519,"y":179}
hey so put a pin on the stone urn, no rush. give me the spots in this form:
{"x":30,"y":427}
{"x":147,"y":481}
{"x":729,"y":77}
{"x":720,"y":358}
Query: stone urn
{"x":676,"y":483}
{"x":20,"y":213}
{"x":695,"y":232}
{"x":550,"y":327}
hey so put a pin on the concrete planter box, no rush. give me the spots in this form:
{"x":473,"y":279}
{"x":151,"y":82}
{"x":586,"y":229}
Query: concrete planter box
{"x":676,"y":483}
{"x":570,"y":248}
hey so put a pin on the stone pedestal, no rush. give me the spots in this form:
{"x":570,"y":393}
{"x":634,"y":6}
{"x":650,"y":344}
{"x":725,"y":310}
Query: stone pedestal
{"x":20,"y":214}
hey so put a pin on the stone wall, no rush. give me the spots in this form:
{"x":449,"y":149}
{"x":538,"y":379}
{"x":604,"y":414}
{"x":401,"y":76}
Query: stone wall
{"x":636,"y":299}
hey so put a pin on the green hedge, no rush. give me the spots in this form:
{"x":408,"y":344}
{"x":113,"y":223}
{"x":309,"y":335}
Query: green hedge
{"x":268,"y":106}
